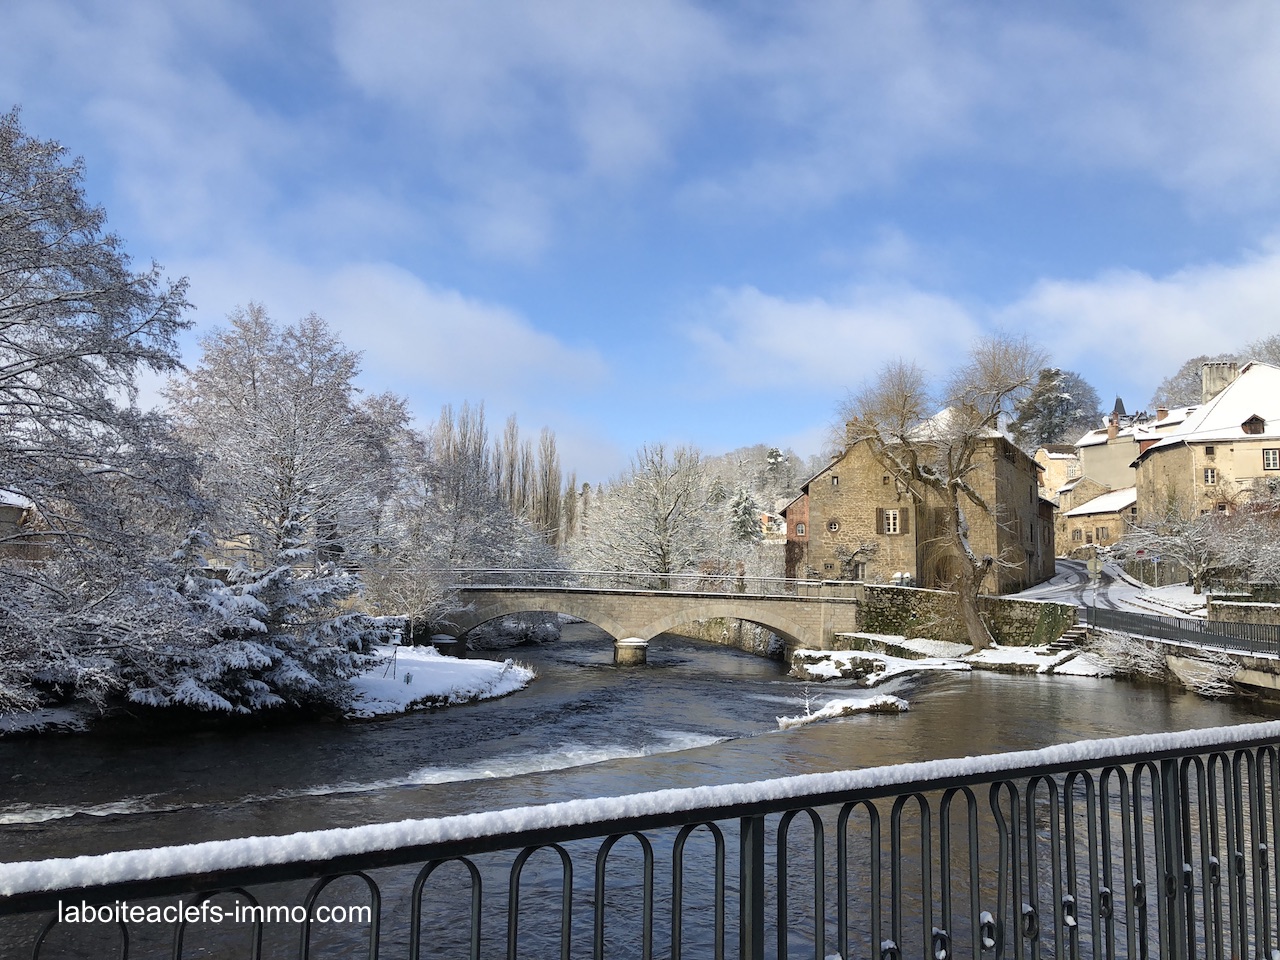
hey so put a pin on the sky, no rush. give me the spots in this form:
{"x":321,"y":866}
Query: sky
{"x":686,"y":222}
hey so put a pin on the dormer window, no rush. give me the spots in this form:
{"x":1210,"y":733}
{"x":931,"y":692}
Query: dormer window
{"x":1254,"y":425}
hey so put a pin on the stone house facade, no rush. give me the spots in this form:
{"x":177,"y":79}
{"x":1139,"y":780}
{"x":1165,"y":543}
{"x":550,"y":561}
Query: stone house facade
{"x":1225,"y":449}
{"x":1099,"y":521}
{"x":855,"y":521}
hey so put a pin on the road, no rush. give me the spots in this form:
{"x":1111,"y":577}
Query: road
{"x":1071,"y":585}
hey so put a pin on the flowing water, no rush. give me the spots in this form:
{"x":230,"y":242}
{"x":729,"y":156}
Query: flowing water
{"x":695,"y":714}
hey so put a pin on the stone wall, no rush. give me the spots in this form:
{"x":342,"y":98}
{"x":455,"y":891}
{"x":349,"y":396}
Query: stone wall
{"x":739,"y":634}
{"x":1231,"y":611}
{"x":909,"y":612}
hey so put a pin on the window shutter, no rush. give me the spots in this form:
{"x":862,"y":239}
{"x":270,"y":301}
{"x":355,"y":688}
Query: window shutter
{"x":904,"y":520}
{"x":879,"y":519}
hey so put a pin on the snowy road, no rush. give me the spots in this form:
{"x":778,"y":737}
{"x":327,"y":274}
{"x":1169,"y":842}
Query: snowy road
{"x":1114,"y":591}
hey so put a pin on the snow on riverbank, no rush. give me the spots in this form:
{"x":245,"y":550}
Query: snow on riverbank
{"x":870,"y":669}
{"x":406,"y":678}
{"x":51,"y":719}
{"x":401,"y":679}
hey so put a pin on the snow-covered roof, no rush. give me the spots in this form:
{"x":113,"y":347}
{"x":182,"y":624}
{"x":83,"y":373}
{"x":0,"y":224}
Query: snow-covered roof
{"x":1254,"y":393}
{"x":940,"y":425}
{"x":10,"y":499}
{"x":1113,"y":501}
{"x":1137,"y":430}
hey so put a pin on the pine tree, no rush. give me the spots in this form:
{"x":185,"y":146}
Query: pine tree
{"x":1060,"y":408}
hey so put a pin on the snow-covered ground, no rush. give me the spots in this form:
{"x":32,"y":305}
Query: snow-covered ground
{"x":401,"y":679}
{"x":1116,"y":590}
{"x":405,"y":678}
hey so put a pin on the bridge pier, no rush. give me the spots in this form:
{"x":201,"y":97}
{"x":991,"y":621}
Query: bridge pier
{"x":631,"y":651}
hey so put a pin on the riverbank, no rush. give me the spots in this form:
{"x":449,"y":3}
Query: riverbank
{"x":874,"y":658}
{"x":401,"y":679}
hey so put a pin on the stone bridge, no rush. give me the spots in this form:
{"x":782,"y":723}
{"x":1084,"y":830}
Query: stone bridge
{"x":809,"y":617}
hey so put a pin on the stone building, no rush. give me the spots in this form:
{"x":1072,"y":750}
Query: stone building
{"x":1099,"y":521}
{"x":1222,"y":451}
{"x":855,"y":521}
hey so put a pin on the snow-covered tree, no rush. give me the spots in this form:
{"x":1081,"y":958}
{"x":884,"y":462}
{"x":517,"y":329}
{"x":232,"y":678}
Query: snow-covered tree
{"x":744,"y":518}
{"x":294,"y":465}
{"x":661,"y":516}
{"x":1183,"y":388}
{"x":936,"y":455}
{"x":1060,"y":408}
{"x":105,"y":483}
{"x":1202,"y":543}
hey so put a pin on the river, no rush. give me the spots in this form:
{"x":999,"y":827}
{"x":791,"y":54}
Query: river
{"x":695,"y":714}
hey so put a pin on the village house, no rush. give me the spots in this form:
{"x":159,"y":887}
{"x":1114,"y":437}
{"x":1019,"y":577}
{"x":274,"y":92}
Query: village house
{"x":1099,"y":521}
{"x":1221,"y":452}
{"x":1059,"y":465}
{"x":1103,"y":464}
{"x":854,"y":521}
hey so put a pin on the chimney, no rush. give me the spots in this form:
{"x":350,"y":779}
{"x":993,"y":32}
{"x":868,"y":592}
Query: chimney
{"x":1161,"y":413}
{"x":1215,"y":377}
{"x":1113,"y":425}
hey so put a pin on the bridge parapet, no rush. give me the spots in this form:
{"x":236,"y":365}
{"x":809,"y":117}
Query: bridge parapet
{"x":633,"y":610}
{"x":646,"y":581}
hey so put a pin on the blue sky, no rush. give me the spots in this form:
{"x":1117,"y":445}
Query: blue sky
{"x":680,"y":221}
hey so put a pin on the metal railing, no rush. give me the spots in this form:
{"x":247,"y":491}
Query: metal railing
{"x":1150,"y":846}
{"x":716,"y":583}
{"x":1258,"y":638}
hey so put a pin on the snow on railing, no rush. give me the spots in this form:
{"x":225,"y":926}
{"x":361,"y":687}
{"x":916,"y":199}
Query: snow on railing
{"x":1104,"y":847}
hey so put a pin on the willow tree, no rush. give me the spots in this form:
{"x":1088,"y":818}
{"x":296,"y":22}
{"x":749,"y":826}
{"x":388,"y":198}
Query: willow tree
{"x":934,"y":443}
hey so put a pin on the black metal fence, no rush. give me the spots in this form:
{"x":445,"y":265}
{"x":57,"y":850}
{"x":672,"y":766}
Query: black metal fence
{"x":1150,"y":846}
{"x":1260,"y":638}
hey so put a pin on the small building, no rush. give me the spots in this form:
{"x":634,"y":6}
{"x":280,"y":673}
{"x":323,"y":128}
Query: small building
{"x":1100,"y":521}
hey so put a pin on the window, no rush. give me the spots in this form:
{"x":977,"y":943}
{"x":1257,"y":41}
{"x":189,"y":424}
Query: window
{"x":1208,"y":451}
{"x":1210,"y":476}
{"x":833,"y":525}
{"x":1221,"y":507}
{"x":1077,"y":535}
{"x":893,"y":521}
{"x":835,"y":481}
{"x":885,"y":479}
{"x":1102,"y":533}
{"x":800,"y":528}
{"x":1254,"y":425}
{"x":1271,"y":459}
{"x":828,"y":566}
{"x":1073,"y":470}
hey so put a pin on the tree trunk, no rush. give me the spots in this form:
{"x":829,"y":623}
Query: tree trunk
{"x":967,"y":589}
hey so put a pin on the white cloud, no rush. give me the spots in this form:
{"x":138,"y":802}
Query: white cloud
{"x":1176,"y":91}
{"x":1137,"y":329}
{"x":826,"y":345}
{"x":416,"y":338}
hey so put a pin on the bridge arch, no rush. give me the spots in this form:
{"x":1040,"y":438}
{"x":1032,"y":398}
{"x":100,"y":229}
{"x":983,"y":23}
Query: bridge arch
{"x":793,"y":634}
{"x":468,"y":620}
